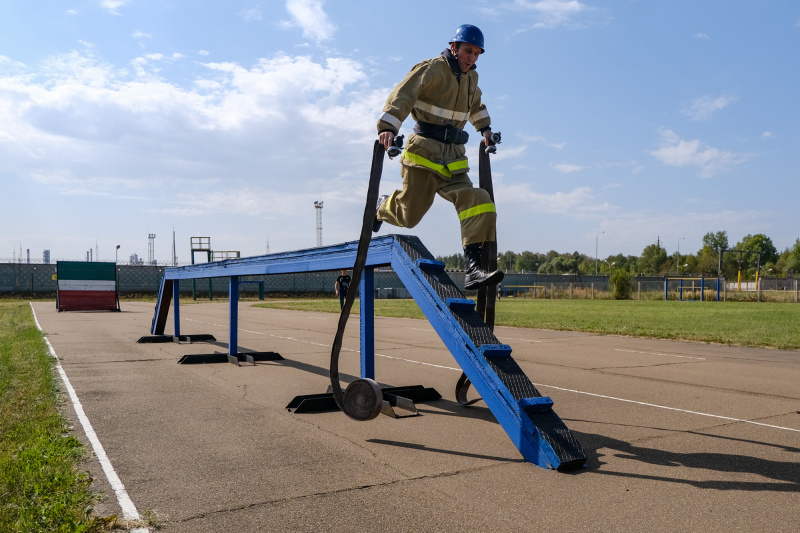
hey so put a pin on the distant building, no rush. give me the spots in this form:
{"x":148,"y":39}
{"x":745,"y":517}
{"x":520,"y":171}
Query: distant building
{"x":46,"y":257}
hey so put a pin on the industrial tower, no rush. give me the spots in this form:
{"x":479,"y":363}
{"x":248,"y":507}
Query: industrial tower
{"x":151,"y":248}
{"x":318,"y":207}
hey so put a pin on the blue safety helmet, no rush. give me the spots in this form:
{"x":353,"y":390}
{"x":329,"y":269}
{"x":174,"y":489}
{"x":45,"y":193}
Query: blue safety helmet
{"x":467,"y":33}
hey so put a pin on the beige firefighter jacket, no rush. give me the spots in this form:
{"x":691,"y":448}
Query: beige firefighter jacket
{"x":433,"y":92}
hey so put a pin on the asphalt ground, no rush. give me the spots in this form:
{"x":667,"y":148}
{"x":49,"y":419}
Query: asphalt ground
{"x":679,"y":436}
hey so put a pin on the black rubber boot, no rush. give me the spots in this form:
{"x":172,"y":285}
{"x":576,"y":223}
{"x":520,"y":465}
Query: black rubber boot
{"x":476,"y":276}
{"x":376,"y":224}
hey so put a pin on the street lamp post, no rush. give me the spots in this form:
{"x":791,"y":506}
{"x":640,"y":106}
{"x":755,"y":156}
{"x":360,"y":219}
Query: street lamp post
{"x":678,"y":259}
{"x":116,"y":254}
{"x":595,"y":250}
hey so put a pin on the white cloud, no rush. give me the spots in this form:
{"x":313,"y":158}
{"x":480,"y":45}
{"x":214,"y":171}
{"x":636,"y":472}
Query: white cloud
{"x":203,"y":52}
{"x":242,"y":145}
{"x":85,"y":125}
{"x":504,"y":151}
{"x":543,"y":140}
{"x":553,"y":13}
{"x":702,"y":108}
{"x":112,"y":5}
{"x":251,"y":14}
{"x":567,"y":169}
{"x":767,"y":135}
{"x":70,"y":12}
{"x":141,"y":35}
{"x":679,"y":153}
{"x":310,"y":16}
{"x":702,"y":36}
{"x":555,"y":203}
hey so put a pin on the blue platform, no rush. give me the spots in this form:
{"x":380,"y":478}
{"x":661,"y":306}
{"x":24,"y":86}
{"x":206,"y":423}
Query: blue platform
{"x":526,"y":416}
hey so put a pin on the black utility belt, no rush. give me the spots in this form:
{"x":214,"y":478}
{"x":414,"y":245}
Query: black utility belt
{"x":445,"y":134}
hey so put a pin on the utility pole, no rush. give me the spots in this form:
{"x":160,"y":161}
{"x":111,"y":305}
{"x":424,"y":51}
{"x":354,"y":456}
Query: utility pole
{"x":595,"y":250}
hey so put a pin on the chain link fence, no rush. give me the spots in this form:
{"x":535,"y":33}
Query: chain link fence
{"x":40,"y":279}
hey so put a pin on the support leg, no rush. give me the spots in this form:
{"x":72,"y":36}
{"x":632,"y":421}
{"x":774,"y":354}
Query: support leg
{"x":367,"y":289}
{"x":233,"y":298}
{"x":176,"y":314}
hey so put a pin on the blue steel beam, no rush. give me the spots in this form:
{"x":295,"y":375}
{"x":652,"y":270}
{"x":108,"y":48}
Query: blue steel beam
{"x":334,"y":257}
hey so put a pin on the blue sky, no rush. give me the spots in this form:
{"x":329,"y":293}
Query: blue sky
{"x":644,"y":120}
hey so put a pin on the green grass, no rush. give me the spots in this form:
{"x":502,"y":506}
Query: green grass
{"x":41,"y":488}
{"x":772,"y":325}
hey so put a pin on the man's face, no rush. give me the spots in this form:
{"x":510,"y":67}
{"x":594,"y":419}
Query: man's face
{"x":466,"y":56}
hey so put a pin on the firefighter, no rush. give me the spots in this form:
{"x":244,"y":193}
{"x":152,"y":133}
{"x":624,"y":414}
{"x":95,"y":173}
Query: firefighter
{"x":442,"y":94}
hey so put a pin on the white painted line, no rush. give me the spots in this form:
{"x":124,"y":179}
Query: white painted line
{"x":429,"y":330}
{"x":669,"y":408}
{"x":664,"y":354}
{"x":418,"y":362}
{"x":293,"y":316}
{"x":129,"y":511}
{"x":524,"y":340}
{"x":554,"y":387}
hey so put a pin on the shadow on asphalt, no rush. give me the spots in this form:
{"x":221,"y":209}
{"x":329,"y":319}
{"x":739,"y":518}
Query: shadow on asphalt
{"x":785,"y":473}
{"x":423,"y":448}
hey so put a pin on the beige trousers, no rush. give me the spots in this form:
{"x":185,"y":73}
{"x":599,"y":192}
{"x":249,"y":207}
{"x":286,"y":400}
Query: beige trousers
{"x":475,"y":209}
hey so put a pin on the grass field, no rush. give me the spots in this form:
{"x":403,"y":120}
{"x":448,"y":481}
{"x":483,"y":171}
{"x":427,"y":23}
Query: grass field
{"x":41,"y":488}
{"x":773,"y":325}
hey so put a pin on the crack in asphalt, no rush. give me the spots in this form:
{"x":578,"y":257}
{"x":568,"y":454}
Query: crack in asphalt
{"x":333,"y":492}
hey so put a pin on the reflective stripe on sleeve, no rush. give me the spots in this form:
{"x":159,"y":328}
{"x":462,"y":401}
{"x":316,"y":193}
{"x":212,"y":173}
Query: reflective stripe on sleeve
{"x":475,"y":211}
{"x":479,"y":116}
{"x":391,"y":119}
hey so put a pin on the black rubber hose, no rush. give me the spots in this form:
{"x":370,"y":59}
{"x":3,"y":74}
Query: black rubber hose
{"x":363,"y":398}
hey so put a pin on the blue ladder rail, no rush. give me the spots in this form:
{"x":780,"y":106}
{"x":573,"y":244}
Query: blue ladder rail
{"x":526,"y":416}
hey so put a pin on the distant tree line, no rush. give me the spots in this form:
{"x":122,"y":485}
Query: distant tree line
{"x":655,"y":261}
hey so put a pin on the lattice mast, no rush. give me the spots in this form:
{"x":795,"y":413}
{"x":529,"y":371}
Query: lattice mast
{"x":174,"y":249}
{"x":318,"y":209}
{"x":151,"y":248}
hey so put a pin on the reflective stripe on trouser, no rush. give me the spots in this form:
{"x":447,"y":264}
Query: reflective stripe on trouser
{"x":406,"y":207}
{"x":444,"y":170}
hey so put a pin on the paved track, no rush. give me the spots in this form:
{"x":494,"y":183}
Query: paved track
{"x":680,"y":436}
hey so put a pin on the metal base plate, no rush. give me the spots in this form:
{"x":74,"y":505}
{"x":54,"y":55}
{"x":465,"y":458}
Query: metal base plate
{"x":402,"y":398}
{"x":236,"y":359}
{"x":200,"y":337}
